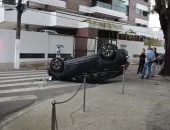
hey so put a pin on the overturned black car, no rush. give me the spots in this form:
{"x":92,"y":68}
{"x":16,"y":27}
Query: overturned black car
{"x":101,"y":66}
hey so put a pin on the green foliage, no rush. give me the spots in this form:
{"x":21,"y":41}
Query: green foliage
{"x":153,"y":42}
{"x":105,"y":24}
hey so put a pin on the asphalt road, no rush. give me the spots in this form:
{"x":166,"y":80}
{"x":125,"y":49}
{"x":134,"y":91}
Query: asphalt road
{"x":20,"y":89}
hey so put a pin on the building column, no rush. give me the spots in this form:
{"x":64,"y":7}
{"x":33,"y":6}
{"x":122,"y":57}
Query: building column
{"x":83,"y":36}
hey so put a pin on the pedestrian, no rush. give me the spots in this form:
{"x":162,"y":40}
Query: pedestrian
{"x":142,"y":57}
{"x":153,"y":67}
{"x":58,"y":52}
{"x":150,"y":56}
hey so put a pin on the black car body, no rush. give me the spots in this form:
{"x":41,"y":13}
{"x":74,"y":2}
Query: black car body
{"x":101,"y":66}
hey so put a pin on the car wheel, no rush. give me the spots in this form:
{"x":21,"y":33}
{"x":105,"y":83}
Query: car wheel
{"x":68,"y":58}
{"x":57,"y":64}
{"x":108,"y":50}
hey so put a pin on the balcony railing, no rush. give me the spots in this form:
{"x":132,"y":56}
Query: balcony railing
{"x":118,"y":8}
{"x":121,"y":8}
{"x":104,"y":5}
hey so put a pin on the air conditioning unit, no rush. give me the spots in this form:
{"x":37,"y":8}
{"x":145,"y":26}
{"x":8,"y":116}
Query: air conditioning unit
{"x":9,"y":2}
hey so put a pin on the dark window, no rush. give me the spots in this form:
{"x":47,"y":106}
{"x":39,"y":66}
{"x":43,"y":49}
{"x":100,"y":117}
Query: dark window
{"x":138,"y":24}
{"x":117,"y":20}
{"x":106,"y":1}
{"x":127,"y":10}
{"x":32,"y":55}
{"x":135,"y":56}
{"x":52,"y":55}
{"x":145,"y":13}
{"x":123,"y":46}
{"x":145,"y":0}
{"x":144,"y":25}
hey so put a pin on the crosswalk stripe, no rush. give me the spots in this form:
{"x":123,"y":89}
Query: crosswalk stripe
{"x":23,"y":76}
{"x":18,"y":84}
{"x":5,"y":72}
{"x":36,"y":88}
{"x":24,"y":79}
{"x":22,"y":73}
{"x":17,"y":98}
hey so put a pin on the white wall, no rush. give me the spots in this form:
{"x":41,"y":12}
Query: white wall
{"x":66,"y":41}
{"x":132,"y":47}
{"x":1,"y":14}
{"x":91,"y":46}
{"x":32,"y":42}
{"x":7,"y":42}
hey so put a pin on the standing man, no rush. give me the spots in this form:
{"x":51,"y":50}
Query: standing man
{"x":142,"y":57}
{"x":150,"y":56}
{"x":153,"y":67}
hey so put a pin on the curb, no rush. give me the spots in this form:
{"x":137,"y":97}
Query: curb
{"x":22,"y":112}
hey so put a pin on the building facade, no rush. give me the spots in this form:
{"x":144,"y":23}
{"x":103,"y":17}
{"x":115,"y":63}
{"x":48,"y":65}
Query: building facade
{"x":91,"y":22}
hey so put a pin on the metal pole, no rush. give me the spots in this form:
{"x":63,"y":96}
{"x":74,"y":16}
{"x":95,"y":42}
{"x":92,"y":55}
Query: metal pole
{"x":123,"y":80}
{"x":157,"y":74}
{"x":84,"y":100}
{"x":20,"y":8}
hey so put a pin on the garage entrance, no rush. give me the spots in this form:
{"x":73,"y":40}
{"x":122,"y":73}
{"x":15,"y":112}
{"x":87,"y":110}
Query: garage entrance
{"x":106,"y":36}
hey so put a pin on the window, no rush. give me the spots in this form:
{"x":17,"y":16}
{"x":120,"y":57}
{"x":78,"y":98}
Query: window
{"x":138,"y":11}
{"x":127,"y":10}
{"x":145,"y":13}
{"x":135,"y":55}
{"x":145,"y":0}
{"x":144,"y":25}
{"x":138,"y":24}
{"x":32,"y":55}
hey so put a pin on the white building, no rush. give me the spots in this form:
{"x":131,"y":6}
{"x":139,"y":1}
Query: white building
{"x":87,"y":20}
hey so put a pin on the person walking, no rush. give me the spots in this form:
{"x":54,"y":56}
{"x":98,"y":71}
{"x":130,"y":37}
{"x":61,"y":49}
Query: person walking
{"x":58,"y":52}
{"x":150,"y":56}
{"x":141,"y":61}
{"x":153,"y":67}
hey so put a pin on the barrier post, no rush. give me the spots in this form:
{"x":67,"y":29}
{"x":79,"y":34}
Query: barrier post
{"x":84,"y":99}
{"x":54,"y":125}
{"x":123,"y":80}
{"x":157,"y":74}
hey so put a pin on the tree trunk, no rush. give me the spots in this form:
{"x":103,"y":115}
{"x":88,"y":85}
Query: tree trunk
{"x":166,"y":68}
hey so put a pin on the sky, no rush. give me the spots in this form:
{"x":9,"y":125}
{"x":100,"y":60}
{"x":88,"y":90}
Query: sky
{"x":154,"y":18}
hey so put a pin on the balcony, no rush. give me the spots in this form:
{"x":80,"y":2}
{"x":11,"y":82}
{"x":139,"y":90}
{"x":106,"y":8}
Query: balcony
{"x":55,"y":3}
{"x":106,"y":9}
{"x":8,"y":19}
{"x":36,"y":18}
{"x":103,"y":5}
{"x":141,"y":21}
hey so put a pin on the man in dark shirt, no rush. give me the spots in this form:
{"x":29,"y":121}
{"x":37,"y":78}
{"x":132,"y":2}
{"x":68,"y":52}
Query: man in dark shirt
{"x":142,"y":57}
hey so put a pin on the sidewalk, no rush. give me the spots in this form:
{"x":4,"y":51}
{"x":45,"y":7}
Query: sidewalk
{"x":144,"y":106}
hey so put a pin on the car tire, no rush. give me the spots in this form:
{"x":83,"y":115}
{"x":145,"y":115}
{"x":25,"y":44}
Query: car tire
{"x":68,"y":58}
{"x":107,"y":50}
{"x":57,"y":64}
